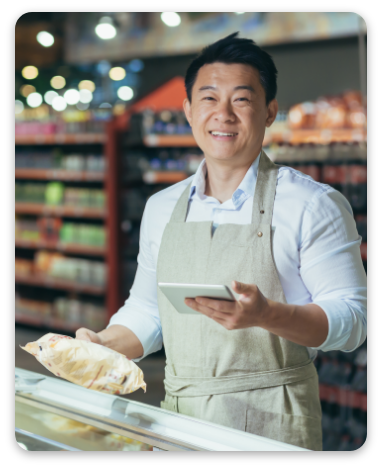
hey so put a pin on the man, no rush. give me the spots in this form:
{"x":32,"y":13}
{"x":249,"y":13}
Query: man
{"x":287,"y":244}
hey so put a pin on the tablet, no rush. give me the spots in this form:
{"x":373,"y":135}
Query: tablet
{"x":176,"y":293}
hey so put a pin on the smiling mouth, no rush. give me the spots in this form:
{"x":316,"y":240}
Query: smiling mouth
{"x":223,"y":134}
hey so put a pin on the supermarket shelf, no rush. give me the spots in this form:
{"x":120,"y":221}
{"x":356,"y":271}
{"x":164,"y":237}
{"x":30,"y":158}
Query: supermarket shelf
{"x":152,"y":177}
{"x":54,"y":323}
{"x":154,"y":140}
{"x":50,"y":139}
{"x":343,"y":397}
{"x":63,"y":211}
{"x":292,"y":137}
{"x":75,"y":248}
{"x":51,"y":283}
{"x":59,"y":175}
{"x":317,"y":136}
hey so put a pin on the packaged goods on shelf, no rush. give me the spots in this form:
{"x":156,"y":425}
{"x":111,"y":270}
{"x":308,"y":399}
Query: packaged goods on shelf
{"x":82,"y":271}
{"x":343,"y":387}
{"x":331,"y":112}
{"x":56,"y":160}
{"x":67,"y":122}
{"x":54,"y":230}
{"x":33,"y":309}
{"x":56,"y":265}
{"x":23,"y":266}
{"x":137,"y":162}
{"x":165,"y":122}
{"x":74,"y":311}
{"x":56,"y":193}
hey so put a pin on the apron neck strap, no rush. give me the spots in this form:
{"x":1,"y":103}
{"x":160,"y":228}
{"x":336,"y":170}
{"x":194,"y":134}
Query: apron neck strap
{"x":265,"y":191}
{"x":262,"y":202}
{"x":179,"y":213}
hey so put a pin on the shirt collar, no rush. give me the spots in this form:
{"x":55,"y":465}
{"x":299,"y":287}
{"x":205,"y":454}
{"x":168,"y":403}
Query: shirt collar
{"x":245,"y":189}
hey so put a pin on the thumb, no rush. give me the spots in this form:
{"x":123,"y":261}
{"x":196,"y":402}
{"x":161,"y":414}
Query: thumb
{"x":241,"y":287}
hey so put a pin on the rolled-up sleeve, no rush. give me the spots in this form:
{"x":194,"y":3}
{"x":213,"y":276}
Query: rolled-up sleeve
{"x":332,"y":270}
{"x":140,"y":312}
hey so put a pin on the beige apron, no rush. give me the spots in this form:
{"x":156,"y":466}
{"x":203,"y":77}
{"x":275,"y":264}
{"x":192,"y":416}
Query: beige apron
{"x":246,"y":379}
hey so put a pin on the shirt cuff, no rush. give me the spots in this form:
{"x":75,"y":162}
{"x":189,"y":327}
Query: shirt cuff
{"x":144,"y":327}
{"x":340,"y":321}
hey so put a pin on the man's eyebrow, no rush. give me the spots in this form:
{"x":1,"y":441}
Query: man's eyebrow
{"x":244,"y":87}
{"x":240,"y":87}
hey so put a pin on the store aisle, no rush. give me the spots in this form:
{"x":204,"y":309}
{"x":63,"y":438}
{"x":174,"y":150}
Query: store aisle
{"x":152,"y":367}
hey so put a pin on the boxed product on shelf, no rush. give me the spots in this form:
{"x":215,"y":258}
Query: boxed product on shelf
{"x":30,"y":193}
{"x":58,"y":266}
{"x":32,"y":308}
{"x":27,"y":230}
{"x":73,"y":311}
{"x":54,"y":159}
{"x":23,"y":266}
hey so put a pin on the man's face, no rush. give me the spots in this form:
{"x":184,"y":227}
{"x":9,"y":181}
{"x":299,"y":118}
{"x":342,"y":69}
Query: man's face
{"x":229,"y":99}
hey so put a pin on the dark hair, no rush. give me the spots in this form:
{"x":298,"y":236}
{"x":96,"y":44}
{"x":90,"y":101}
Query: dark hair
{"x":233,"y":50}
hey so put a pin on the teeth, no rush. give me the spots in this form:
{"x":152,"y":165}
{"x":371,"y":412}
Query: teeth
{"x":221,"y":133}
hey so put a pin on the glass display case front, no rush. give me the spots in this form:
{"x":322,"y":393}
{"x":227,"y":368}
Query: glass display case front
{"x":52,"y":414}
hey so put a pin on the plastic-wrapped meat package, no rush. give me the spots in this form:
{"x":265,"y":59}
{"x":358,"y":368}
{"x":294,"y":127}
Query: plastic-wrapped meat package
{"x":87,"y":364}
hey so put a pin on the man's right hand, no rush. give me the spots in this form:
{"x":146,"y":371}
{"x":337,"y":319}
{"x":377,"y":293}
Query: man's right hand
{"x":84,"y":334}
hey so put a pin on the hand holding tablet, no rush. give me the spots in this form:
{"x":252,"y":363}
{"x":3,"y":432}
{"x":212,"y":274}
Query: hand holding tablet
{"x":177,"y":293}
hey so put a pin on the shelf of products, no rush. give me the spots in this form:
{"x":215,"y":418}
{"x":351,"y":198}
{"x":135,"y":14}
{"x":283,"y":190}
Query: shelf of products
{"x":60,"y":139}
{"x":62,"y":314}
{"x":62,"y":247}
{"x":57,"y":175}
{"x":40,"y":280}
{"x":343,"y":394}
{"x":63,"y":211}
{"x":64,"y":205}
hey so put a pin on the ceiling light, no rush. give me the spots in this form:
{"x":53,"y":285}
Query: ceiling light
{"x":45,"y":39}
{"x":239,"y":12}
{"x":125,"y":93}
{"x":49,"y":95}
{"x":86,"y":85}
{"x":58,"y":82}
{"x":58,"y":103}
{"x":85,"y":96}
{"x":117,"y":73}
{"x":26,"y":90}
{"x":34,"y":100}
{"x":170,"y":19}
{"x":29,"y":72}
{"x":105,"y":28}
{"x":19,"y":107}
{"x":72,"y":96}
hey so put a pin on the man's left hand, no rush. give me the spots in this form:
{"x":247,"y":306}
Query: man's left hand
{"x":251,"y":309}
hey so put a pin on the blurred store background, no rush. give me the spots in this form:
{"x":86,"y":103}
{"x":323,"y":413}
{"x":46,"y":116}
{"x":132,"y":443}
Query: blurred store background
{"x":100,"y":128}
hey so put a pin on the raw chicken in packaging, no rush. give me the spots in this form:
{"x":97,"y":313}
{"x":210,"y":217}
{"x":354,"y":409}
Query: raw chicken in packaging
{"x":87,"y":364}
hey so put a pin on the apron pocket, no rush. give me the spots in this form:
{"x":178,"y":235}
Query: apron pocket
{"x":170,"y":403}
{"x":301,"y":431}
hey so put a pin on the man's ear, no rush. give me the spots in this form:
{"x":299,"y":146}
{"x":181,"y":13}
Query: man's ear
{"x":273,"y":108}
{"x":187,"y":110}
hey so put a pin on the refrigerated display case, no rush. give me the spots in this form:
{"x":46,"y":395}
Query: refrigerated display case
{"x":52,"y":414}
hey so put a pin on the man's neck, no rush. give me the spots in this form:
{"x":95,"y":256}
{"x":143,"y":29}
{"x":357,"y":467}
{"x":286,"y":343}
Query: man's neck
{"x":223,"y":180}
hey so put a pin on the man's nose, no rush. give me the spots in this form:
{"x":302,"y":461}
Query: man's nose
{"x":224,"y":112}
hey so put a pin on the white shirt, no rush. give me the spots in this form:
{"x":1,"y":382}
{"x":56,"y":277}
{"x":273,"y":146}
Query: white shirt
{"x":315,"y":247}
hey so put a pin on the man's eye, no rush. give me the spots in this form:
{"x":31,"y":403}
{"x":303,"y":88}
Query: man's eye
{"x":208,"y":98}
{"x":245,"y":99}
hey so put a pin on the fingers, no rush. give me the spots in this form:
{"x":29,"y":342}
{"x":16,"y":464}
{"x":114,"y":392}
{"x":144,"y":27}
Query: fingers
{"x":242,"y":288}
{"x":83,"y":334}
{"x":224,"y":306}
